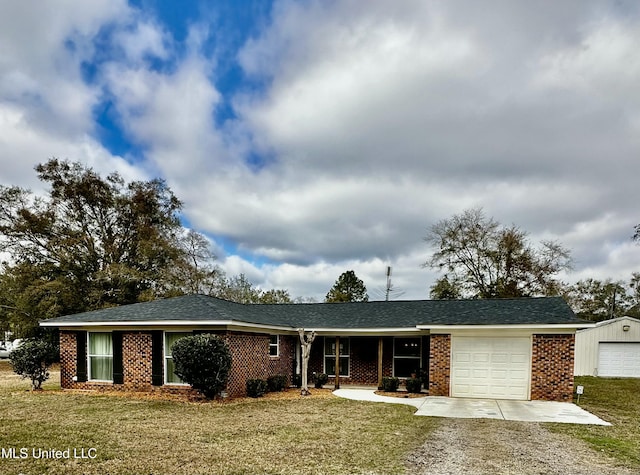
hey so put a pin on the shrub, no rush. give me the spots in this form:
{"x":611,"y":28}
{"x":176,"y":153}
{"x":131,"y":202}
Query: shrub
{"x":297,"y":380}
{"x":276,"y":383}
{"x":414,"y":385}
{"x":424,"y":376}
{"x":390,"y":384}
{"x":32,"y":360}
{"x":203,"y":361}
{"x":321,"y":380}
{"x":256,"y":387}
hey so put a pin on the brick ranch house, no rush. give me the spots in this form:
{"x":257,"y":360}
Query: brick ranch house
{"x":504,"y":348}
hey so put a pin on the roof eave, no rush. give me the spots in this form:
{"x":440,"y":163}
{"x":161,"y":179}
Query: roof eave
{"x":165,"y":323}
{"x":524,"y":326}
{"x":368,"y":331}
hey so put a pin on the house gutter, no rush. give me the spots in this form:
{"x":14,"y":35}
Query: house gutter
{"x":166,"y":323}
{"x":548,"y":326}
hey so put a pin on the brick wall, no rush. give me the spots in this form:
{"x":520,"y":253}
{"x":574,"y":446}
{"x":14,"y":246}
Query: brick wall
{"x":136,"y":360}
{"x":363,"y":361}
{"x":250,"y":360}
{"x":439,"y":365}
{"x":68,"y":359}
{"x":249,"y":351}
{"x":552,"y":367}
{"x":551,"y":364}
{"x":284,"y":363}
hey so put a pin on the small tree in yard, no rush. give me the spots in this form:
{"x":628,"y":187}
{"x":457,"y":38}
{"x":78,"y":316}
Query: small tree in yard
{"x":32,"y":360}
{"x":203,"y":361}
{"x":306,"y":340}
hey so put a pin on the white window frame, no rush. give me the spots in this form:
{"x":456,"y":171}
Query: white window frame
{"x":166,"y":357}
{"x":90,"y":355}
{"x":342,"y":355}
{"x":418,"y":358}
{"x":275,"y":345}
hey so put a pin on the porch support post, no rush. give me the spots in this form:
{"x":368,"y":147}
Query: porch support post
{"x":337,"y":379}
{"x":379,"y":362}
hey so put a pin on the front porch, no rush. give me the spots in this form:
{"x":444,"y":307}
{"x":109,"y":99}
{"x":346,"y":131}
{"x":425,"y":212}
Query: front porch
{"x":362,"y":361}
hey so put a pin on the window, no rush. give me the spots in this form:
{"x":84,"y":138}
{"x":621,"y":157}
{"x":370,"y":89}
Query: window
{"x":100,"y":356}
{"x":169,"y":339}
{"x":406,"y":356}
{"x":330,"y":356}
{"x":274,"y":345}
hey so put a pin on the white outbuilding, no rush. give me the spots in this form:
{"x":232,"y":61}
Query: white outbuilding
{"x":611,"y":348}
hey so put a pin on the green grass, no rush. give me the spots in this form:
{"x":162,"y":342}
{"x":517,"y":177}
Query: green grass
{"x":319,"y":434}
{"x":132,"y":436}
{"x":616,"y":401}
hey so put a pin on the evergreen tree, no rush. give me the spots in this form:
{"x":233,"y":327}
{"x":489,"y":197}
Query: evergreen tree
{"x":348,"y":288}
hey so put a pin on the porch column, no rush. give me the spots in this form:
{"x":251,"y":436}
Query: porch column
{"x":379,"y":362}
{"x":337,"y":379}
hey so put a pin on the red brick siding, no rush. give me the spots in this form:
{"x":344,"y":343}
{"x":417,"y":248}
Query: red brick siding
{"x":284,"y":362}
{"x":136,"y":360}
{"x":316,"y":357}
{"x":250,"y":359}
{"x":363,"y":361}
{"x":439,"y":365}
{"x":552,"y":367}
{"x":68,"y":359}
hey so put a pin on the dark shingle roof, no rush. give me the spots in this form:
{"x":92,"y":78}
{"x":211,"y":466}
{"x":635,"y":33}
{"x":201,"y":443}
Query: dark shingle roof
{"x":394,"y":314}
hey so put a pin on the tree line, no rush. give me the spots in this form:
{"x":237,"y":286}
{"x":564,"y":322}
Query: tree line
{"x":93,"y":242}
{"x":481,"y":258}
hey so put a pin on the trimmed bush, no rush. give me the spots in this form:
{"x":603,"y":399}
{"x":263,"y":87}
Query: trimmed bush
{"x":414,"y":385}
{"x":390,"y":384}
{"x":297,"y":380}
{"x":424,"y":376}
{"x":203,"y":361}
{"x":32,"y":360}
{"x":276,"y":383}
{"x":256,"y":387}
{"x":321,"y":380}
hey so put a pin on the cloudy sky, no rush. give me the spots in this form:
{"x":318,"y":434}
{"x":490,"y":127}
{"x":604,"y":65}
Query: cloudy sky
{"x":308,"y":138}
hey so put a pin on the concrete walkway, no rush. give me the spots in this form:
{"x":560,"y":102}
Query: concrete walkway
{"x":529,"y":411}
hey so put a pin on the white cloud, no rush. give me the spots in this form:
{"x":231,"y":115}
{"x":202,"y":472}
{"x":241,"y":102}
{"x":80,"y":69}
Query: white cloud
{"x":142,"y":41}
{"x":45,"y":105}
{"x":377,"y":122}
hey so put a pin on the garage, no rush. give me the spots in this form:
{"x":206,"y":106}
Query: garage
{"x":619,"y":359}
{"x":611,"y":348}
{"x":496,"y":368}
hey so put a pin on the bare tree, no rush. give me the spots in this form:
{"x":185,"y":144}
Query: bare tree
{"x":483,"y":259}
{"x":306,"y":340}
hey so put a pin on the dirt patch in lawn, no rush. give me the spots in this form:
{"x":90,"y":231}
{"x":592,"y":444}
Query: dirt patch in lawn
{"x":485,"y":446}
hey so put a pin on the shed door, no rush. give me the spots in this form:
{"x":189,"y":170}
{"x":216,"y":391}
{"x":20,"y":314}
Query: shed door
{"x":619,"y":359}
{"x":495,"y":368}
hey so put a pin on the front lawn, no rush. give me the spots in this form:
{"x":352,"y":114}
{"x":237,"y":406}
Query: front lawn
{"x":318,"y":434}
{"x":614,"y":400}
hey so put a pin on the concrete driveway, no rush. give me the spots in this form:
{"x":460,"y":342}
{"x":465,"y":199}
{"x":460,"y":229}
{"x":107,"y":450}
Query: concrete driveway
{"x":528,"y":411}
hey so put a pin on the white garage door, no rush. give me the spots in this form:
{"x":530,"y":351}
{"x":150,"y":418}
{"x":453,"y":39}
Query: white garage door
{"x":490,"y":367}
{"x":619,"y":359}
